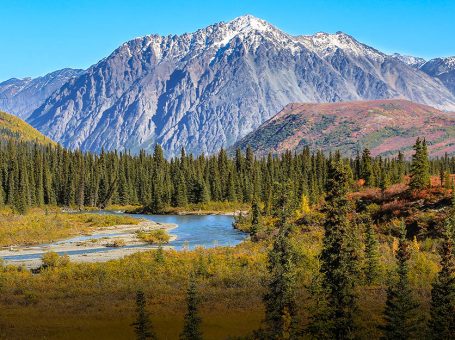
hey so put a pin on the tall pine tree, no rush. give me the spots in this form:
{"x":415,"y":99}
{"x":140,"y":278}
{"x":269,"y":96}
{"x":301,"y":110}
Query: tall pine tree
{"x":400,"y":313}
{"x":336,"y":319}
{"x":192,"y":322}
{"x":420,"y":167}
{"x":442,"y":310}
{"x":280,"y":304}
{"x":371,"y":268}
{"x":142,"y":327}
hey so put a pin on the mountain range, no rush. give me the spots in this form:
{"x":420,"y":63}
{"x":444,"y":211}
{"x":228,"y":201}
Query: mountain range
{"x":208,"y":89}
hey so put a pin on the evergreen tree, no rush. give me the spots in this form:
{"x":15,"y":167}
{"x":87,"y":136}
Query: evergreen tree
{"x":447,"y":180}
{"x":371,"y":269}
{"x":441,"y":174}
{"x":420,"y":168}
{"x":336,"y":321}
{"x":142,"y":327}
{"x":367,"y":169}
{"x":255,"y":215}
{"x":280,"y":305}
{"x":384,"y":182}
{"x":442,"y":310}
{"x":400,"y":313}
{"x":192,"y":322}
{"x":181,"y":195}
{"x":400,"y":171}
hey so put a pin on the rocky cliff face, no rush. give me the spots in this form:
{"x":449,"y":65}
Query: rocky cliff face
{"x":206,"y":90}
{"x":23,"y":96}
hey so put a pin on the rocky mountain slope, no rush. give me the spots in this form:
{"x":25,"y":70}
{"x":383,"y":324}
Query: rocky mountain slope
{"x":383,"y":126}
{"x":415,"y":62}
{"x":13,"y":128}
{"x":23,"y":96}
{"x":206,"y":90}
{"x":442,"y":69}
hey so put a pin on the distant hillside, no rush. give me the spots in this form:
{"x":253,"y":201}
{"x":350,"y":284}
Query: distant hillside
{"x":12,"y":127}
{"x":384,"y":126}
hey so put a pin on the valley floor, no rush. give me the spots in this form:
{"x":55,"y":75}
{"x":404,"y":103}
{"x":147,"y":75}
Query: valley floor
{"x":97,"y":300}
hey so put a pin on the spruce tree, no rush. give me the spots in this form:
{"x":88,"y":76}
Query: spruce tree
{"x":367,"y":169}
{"x":420,"y":168}
{"x":400,"y":168}
{"x":442,"y":309}
{"x":400,"y":313}
{"x":384,"y":182}
{"x":142,"y":327}
{"x":280,"y":304}
{"x":371,"y":269}
{"x":338,"y":267}
{"x":255,"y":215}
{"x":192,"y":322}
{"x":447,"y":180}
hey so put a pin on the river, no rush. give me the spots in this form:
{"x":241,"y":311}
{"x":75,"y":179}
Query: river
{"x":191,"y":231}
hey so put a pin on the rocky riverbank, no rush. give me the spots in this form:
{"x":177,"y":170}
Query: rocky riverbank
{"x":101,"y":245}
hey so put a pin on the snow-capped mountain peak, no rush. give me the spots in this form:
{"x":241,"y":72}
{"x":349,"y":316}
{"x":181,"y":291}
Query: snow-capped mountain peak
{"x":248,"y":23}
{"x":443,"y":69}
{"x":326,"y":44}
{"x":450,"y":62}
{"x":415,"y":62}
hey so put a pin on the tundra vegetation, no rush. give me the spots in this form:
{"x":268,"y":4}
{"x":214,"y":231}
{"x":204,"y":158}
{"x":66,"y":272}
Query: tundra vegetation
{"x":339,"y":248}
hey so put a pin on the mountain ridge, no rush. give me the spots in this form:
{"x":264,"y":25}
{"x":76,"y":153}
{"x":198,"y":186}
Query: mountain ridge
{"x":207,"y":89}
{"x":22,"y":96}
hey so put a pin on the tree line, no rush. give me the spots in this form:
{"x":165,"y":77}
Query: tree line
{"x":34,"y":175}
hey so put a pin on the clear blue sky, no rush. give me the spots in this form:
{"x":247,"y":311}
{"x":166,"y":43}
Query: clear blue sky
{"x":39,"y":36}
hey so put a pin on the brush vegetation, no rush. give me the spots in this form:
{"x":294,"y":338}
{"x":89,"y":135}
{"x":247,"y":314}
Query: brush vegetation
{"x":158,"y":236}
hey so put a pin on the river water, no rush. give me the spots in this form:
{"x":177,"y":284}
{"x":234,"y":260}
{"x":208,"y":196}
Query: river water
{"x":192,"y":231}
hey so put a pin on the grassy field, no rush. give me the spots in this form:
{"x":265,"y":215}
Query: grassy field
{"x":96,"y":300}
{"x":50,"y":224}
